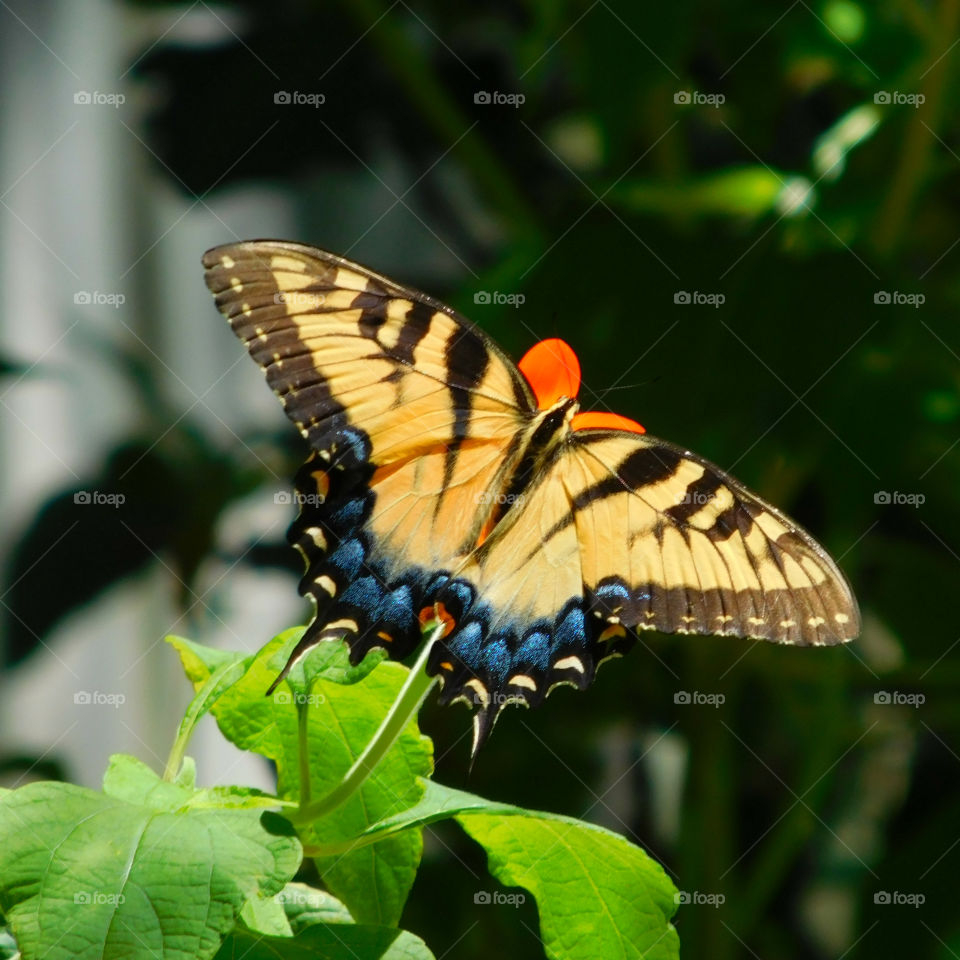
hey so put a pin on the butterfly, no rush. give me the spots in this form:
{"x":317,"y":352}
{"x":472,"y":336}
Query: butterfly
{"x":445,"y":483}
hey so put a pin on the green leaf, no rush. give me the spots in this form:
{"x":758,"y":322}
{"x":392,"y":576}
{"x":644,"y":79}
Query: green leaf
{"x":373,"y":882}
{"x":749,"y":191}
{"x":296,"y":907}
{"x":129,"y":778}
{"x":237,"y":798}
{"x":90,"y":875}
{"x":266,"y":915}
{"x":200,"y":661}
{"x":334,"y":941}
{"x":306,"y":905}
{"x":598,"y":894}
{"x":331,"y":661}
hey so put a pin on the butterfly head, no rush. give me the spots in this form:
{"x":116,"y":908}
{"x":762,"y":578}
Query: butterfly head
{"x":553,"y":372}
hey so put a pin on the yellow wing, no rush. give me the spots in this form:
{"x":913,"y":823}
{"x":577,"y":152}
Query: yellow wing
{"x":624,"y":532}
{"x":413,"y":415}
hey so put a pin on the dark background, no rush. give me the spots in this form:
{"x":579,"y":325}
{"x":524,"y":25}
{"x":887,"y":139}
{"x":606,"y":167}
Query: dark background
{"x":804,"y":186}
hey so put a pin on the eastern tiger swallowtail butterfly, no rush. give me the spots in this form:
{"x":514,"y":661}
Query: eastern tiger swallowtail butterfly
{"x":446,"y":482}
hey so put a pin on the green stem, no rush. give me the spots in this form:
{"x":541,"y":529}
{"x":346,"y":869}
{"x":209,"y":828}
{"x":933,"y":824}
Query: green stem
{"x":412,"y":694}
{"x":303,"y":748}
{"x":220,"y":680}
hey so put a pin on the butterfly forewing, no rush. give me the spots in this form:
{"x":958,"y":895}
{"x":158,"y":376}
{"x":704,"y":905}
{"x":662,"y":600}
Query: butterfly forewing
{"x":670,"y":542}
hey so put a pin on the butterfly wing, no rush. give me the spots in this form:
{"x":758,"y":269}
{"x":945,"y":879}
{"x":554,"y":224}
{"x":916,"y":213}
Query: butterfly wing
{"x":671,"y":542}
{"x":411,"y":412}
{"x":624,"y":532}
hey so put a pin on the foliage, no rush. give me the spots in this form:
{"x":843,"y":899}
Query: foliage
{"x":159,"y":867}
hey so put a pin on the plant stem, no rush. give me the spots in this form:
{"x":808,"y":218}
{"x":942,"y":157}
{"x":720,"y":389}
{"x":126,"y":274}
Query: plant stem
{"x":404,"y":708}
{"x":303,"y":749}
{"x":220,"y":680}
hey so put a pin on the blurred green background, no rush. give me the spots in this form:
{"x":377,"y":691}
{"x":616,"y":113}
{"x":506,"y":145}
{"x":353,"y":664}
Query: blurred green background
{"x":745,"y":220}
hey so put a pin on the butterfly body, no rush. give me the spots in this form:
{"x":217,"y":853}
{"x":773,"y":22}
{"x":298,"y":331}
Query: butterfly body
{"x":446,"y":482}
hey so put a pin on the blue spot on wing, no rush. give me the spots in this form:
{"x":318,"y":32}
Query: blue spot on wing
{"x":348,"y":558}
{"x":534,"y":652}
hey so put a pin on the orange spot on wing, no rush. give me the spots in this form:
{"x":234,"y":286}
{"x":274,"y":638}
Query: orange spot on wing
{"x":438,"y":612}
{"x":485,"y":532}
{"x":552,"y":370}
{"x":384,"y":636}
{"x":322,"y":481}
{"x":594,"y":420}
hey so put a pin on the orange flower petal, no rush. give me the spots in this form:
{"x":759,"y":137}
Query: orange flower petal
{"x":594,"y":420}
{"x":552,"y":370}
